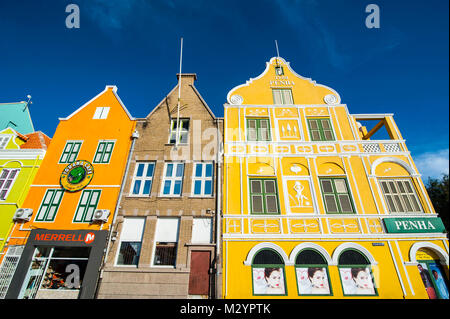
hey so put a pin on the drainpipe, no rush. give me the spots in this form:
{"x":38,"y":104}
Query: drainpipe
{"x":218,"y":211}
{"x":134,"y":136}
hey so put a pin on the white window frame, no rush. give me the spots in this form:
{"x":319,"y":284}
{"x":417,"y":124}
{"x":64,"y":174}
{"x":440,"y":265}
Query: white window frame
{"x":202,"y":179}
{"x":3,"y":187}
{"x":101,"y":113}
{"x":173,"y":178}
{"x":174,"y":131}
{"x":156,"y":239}
{"x":133,"y":240}
{"x":62,"y":153}
{"x":103,"y":153}
{"x":142,"y":179}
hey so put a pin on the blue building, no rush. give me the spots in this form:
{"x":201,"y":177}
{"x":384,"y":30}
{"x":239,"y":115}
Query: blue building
{"x":16,"y":116}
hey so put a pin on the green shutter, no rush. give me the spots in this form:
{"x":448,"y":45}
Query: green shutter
{"x":264,"y":196}
{"x":320,"y":129}
{"x":50,"y":204}
{"x":336,"y":195}
{"x":86,"y":206}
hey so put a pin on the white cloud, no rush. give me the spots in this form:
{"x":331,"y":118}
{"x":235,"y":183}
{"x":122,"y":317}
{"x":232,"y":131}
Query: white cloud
{"x":433,"y":164}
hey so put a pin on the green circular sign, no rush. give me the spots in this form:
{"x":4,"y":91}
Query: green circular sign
{"x":76,"y":176}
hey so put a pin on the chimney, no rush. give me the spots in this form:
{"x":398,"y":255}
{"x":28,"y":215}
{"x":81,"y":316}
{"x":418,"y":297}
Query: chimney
{"x":187,"y":78}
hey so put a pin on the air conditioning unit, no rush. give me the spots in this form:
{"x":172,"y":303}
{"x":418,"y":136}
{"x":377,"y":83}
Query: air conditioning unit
{"x":101,"y":215}
{"x":23,"y":214}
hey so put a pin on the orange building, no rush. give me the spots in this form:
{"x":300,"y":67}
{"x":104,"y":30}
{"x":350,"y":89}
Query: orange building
{"x":61,"y":230}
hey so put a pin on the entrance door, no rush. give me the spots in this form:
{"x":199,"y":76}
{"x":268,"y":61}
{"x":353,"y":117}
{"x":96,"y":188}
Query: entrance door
{"x":199,"y":275}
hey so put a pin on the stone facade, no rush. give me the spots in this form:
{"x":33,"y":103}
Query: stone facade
{"x":145,"y":279}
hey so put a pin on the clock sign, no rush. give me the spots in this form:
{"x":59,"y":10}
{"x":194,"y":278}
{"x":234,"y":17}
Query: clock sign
{"x":76,"y":176}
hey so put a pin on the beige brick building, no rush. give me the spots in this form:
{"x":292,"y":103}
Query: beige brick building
{"x":164,"y":239}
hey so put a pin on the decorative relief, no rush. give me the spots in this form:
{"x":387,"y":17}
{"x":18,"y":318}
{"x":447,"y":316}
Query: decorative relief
{"x":304,"y":226}
{"x":316,"y":111}
{"x":349,"y":148}
{"x":236,"y":99}
{"x":259,"y":149}
{"x":265,"y":226}
{"x":234,"y":226}
{"x":255,"y":111}
{"x":289,"y":130}
{"x":327,"y":148}
{"x":304,"y":149}
{"x":300,"y":199}
{"x":286,"y":112}
{"x":237,"y":149}
{"x":374,"y":225}
{"x":330,"y":99}
{"x":344,"y":226}
{"x":282,"y":149}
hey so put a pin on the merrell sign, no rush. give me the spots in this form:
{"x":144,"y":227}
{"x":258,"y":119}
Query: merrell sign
{"x":414,"y":225}
{"x":87,"y":238}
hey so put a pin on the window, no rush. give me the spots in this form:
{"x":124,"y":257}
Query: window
{"x":166,"y":239}
{"x":8,"y":268}
{"x":101,"y":113}
{"x":173,"y":179}
{"x":70,"y":152}
{"x":202,"y":231}
{"x":130,"y":241}
{"x":400,"y":196}
{"x":320,"y":129}
{"x":433,"y":278}
{"x":183,"y":132}
{"x":103,"y":153}
{"x":258,"y":130}
{"x":268,"y":273}
{"x":356,"y":274}
{"x":336,"y":195}
{"x":143,"y":178}
{"x":4,"y":141}
{"x":51,"y":270}
{"x":49,"y":205}
{"x":264,"y":196}
{"x":7,"y":178}
{"x":282,"y":96}
{"x":202,"y":181}
{"x":87,"y":205}
{"x":312,"y":273}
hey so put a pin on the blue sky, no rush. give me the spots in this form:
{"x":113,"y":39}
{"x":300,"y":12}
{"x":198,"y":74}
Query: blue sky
{"x":400,"y":68}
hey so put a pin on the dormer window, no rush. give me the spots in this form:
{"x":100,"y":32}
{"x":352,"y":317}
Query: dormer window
{"x":183,"y":132}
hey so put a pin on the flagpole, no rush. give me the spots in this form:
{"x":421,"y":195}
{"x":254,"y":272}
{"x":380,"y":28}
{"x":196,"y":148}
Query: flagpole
{"x":179,"y":96}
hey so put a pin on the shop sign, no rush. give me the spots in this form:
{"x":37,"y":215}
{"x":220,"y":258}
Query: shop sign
{"x":65,"y":237}
{"x":76,"y":176}
{"x":414,"y":225}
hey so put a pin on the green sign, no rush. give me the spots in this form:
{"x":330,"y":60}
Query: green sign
{"x":414,"y":225}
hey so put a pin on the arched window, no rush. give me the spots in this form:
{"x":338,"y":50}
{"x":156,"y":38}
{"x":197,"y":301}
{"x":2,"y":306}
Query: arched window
{"x":311,"y":270}
{"x":356,"y":274}
{"x":268,"y":273}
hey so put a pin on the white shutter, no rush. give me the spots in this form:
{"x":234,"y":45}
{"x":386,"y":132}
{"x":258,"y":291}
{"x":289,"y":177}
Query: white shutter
{"x":132,"y":229}
{"x":167,"y":230}
{"x":201,"y":230}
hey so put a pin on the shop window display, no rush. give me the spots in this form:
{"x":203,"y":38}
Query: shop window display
{"x":312,"y":273}
{"x":268,"y":273}
{"x":356,"y":274}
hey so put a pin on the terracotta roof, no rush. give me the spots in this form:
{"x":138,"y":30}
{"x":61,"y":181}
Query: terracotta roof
{"x":36,"y":140}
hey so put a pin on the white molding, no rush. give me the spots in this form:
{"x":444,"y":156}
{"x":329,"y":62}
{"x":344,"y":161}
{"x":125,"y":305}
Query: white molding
{"x":443,"y":255}
{"x":265,"y":245}
{"x":358,"y":247}
{"x":308,"y":245}
{"x":395,"y":160}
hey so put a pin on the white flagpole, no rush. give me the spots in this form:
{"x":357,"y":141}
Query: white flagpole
{"x":179,"y":95}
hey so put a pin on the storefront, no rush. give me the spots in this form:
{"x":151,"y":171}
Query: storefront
{"x":59,"y":264}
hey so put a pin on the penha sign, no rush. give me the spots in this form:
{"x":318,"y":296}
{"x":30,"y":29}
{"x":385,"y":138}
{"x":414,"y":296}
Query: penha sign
{"x":414,"y":225}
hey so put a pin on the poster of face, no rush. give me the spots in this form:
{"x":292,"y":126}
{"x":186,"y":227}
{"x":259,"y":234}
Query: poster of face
{"x":439,"y":280}
{"x":357,"y":281}
{"x":312,"y":281}
{"x":268,"y":281}
{"x":426,"y":279}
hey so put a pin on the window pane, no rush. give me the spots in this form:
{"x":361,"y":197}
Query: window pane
{"x":315,"y":135}
{"x":140,"y":170}
{"x":208,"y":187}
{"x":169,"y":170}
{"x":84,"y":197}
{"x":180,"y":170}
{"x":209,"y":170}
{"x":256,"y":187}
{"x":252,"y":124}
{"x":328,"y":135}
{"x":408,"y":187}
{"x":89,"y":214}
{"x":325,"y":124}
{"x":166,"y":190}
{"x":197,"y":187}
{"x":399,"y":203}
{"x":137,"y":187}
{"x":414,"y":203}
{"x":129,"y":253}
{"x":277,"y":97}
{"x":407,"y":203}
{"x":184,"y":137}
{"x":269,"y":187}
{"x":326,"y":186}
{"x":346,"y":205}
{"x":340,"y":186}
{"x":150,"y":168}
{"x":287,"y":96}
{"x":264,"y":134}
{"x":400,"y":186}
{"x":271,"y":204}
{"x":177,"y":188}
{"x":147,"y":187}
{"x":313,"y":124}
{"x":264,"y":123}
{"x":165,"y":254}
{"x":198,"y":170}
{"x":391,"y":204}
{"x":252,"y":135}
{"x":257,"y":204}
{"x":385,"y":187}
{"x":330,"y":204}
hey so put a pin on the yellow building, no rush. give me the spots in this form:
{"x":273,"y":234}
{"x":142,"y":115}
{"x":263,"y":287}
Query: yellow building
{"x":315,"y":206}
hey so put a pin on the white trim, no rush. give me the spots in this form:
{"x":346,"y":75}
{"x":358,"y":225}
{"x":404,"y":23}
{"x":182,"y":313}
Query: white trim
{"x":443,"y":255}
{"x":361,"y":249}
{"x":371,"y":116}
{"x":265,"y":245}
{"x":395,"y":160}
{"x":397,"y":269}
{"x":404,"y":268}
{"x":302,"y":246}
